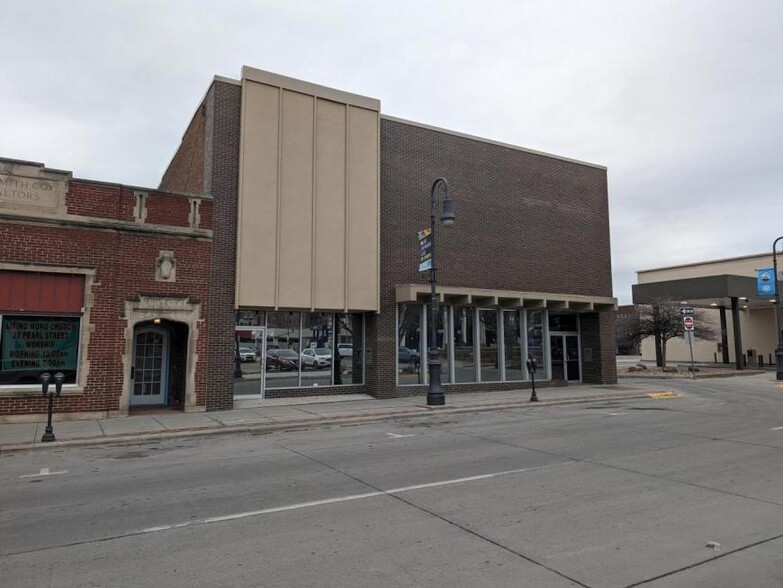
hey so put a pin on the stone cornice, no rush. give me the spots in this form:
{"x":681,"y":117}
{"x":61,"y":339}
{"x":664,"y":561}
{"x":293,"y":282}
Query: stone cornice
{"x":84,"y":222}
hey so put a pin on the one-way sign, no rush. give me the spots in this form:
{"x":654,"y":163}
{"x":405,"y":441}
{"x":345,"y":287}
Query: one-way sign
{"x":686,"y":311}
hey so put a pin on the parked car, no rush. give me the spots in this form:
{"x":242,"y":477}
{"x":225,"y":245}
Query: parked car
{"x":282,"y":360}
{"x":345,"y":349}
{"x":247,"y":354}
{"x":316,"y":357}
{"x":409,"y":358}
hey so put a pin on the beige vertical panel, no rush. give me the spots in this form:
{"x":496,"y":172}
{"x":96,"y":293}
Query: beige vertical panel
{"x":296,"y":202}
{"x":257,"y":226}
{"x":363,"y":211}
{"x":308,"y":196}
{"x":329,"y":251}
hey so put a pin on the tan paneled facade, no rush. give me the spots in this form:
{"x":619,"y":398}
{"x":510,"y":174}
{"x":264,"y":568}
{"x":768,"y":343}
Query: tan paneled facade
{"x":308,"y":233}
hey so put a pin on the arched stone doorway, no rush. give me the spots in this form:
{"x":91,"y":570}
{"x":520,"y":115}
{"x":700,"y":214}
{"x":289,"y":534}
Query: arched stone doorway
{"x":160,"y":353}
{"x":159,"y":366}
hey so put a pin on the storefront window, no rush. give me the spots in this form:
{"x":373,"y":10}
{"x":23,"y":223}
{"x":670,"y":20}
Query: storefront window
{"x":31,"y":345}
{"x":348,"y":363}
{"x":282,"y":350}
{"x":302,"y":349}
{"x":249,"y":346}
{"x":535,"y":339}
{"x":464,"y":344}
{"x":563,"y":322}
{"x":409,"y":340}
{"x":512,"y":345}
{"x":488,"y":345}
{"x":316,"y":354}
{"x":443,"y":343}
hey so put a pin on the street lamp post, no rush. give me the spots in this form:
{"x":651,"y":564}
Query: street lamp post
{"x":779,"y":350}
{"x":435,"y":396}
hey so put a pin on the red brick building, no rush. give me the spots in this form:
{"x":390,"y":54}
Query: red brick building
{"x":104,"y":283}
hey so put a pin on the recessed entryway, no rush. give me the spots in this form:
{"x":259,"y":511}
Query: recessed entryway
{"x":150,"y":369}
{"x":564,"y":351}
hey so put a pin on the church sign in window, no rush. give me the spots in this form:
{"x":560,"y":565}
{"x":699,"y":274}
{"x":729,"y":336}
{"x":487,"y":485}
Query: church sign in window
{"x":31,"y":345}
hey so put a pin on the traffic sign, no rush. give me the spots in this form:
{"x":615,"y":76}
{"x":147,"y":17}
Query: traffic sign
{"x":766,"y":281}
{"x":685,"y":311}
{"x":687,"y":322}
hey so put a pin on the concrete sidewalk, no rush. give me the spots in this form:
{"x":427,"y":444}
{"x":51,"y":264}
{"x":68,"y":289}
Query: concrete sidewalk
{"x":293,"y":413}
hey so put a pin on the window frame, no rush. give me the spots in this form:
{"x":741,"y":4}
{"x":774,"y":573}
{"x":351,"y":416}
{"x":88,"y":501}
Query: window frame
{"x":75,"y":385}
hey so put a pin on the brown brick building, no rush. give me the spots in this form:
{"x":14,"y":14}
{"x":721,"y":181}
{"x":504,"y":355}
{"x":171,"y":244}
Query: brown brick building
{"x":318,"y":200}
{"x":308,"y":202}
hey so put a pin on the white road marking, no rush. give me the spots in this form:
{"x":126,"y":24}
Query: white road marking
{"x":255,"y":513}
{"x":616,"y":413}
{"x":44,"y":472}
{"x":776,"y":428}
{"x":396,"y":436}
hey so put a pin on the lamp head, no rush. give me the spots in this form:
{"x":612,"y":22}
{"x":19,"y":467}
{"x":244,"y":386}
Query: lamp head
{"x":448,"y":217}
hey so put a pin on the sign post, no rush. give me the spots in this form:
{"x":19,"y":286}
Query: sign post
{"x":688,"y":325}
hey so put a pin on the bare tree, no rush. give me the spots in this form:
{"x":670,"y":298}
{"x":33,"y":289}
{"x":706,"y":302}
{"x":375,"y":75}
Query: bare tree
{"x":626,"y":329}
{"x":662,"y":320}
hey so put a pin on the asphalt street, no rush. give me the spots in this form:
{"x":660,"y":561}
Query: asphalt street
{"x":684,"y":491}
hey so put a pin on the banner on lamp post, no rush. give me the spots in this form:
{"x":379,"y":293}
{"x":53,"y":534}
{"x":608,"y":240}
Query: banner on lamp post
{"x":425,"y":250}
{"x":766,"y":281}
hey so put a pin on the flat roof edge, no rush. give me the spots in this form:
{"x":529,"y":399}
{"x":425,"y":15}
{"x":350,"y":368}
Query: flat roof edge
{"x":42,"y":166}
{"x":491,"y":141}
{"x":697,"y":263}
{"x":227,"y":80}
{"x":309,"y":88}
{"x":144,"y":189}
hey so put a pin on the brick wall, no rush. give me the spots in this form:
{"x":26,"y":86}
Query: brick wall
{"x":186,"y":170}
{"x":222,"y":107}
{"x":599,"y":364}
{"x":125,"y":268}
{"x":117,"y":202}
{"x":525,"y":222}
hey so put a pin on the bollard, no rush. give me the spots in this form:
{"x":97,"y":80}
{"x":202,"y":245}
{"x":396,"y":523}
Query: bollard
{"x":46,"y":378}
{"x":531,"y":366}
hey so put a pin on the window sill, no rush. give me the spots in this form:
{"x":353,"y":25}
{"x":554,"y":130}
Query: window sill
{"x":28,"y":391}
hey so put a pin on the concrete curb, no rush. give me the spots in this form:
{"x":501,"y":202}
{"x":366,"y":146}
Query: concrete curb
{"x":293,"y":424}
{"x":687,"y":376}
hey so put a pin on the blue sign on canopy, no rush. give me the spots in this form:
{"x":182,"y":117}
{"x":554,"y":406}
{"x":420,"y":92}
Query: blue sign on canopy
{"x":766,"y":281}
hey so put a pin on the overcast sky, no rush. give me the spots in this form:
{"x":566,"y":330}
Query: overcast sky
{"x":681,"y":100}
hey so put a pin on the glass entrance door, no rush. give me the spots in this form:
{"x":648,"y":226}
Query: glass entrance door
{"x":564,"y":351}
{"x":556,"y":352}
{"x":572,"y":358}
{"x":150,"y":367}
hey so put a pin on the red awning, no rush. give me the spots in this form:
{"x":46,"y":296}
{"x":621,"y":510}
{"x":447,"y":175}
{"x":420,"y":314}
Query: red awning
{"x":41,"y":292}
